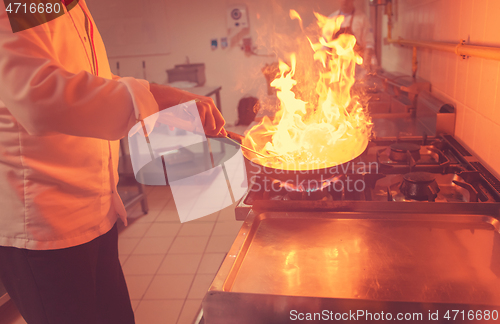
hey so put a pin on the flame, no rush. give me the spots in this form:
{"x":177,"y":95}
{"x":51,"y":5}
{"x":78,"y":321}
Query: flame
{"x":333,"y":127}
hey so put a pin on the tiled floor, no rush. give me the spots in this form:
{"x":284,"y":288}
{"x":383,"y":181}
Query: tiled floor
{"x":168,"y":265}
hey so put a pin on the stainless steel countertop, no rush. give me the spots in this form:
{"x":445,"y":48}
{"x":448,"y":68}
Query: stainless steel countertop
{"x":379,"y":261}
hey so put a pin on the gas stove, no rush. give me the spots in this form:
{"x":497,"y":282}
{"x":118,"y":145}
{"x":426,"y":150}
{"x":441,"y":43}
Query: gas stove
{"x":413,"y":170}
{"x":410,"y":227}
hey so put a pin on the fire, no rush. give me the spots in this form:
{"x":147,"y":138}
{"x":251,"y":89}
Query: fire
{"x":332,"y":127}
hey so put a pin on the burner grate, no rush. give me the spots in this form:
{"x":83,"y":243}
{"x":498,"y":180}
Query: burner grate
{"x":457,"y":180}
{"x":457,"y":145}
{"x":487,"y":176}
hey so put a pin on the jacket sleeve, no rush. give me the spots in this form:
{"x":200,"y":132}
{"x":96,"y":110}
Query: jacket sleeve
{"x":47,"y":99}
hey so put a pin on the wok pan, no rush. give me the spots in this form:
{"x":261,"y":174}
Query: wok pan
{"x":295,"y":177}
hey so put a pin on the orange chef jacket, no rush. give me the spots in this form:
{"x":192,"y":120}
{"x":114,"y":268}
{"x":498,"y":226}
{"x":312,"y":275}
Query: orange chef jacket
{"x":59,"y":129}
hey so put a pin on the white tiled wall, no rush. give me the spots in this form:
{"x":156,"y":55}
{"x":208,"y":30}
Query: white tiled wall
{"x":472,"y":84}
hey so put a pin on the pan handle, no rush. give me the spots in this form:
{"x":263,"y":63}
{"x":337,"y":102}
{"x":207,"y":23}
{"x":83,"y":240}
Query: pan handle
{"x":238,"y":139}
{"x":234,"y":136}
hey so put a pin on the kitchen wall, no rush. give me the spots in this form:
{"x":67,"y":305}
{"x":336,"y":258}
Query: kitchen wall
{"x":191,"y":24}
{"x":472,"y":84}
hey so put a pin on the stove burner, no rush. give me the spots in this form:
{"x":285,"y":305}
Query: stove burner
{"x":307,"y":190}
{"x":307,"y":185}
{"x":401,"y":151}
{"x":419,"y":186}
{"x":308,"y":195}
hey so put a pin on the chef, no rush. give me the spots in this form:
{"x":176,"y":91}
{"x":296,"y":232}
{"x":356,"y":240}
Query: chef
{"x":357,"y":23}
{"x":62,"y":113}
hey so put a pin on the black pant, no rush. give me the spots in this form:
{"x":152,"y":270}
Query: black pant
{"x":77,"y":285}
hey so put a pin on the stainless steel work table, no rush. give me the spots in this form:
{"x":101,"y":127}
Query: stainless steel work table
{"x":368,"y":258}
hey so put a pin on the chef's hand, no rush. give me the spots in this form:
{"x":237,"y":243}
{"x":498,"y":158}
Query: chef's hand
{"x":210,"y":116}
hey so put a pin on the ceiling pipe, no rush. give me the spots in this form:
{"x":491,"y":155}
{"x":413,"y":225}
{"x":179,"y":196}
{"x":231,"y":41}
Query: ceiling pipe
{"x":461,"y":49}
